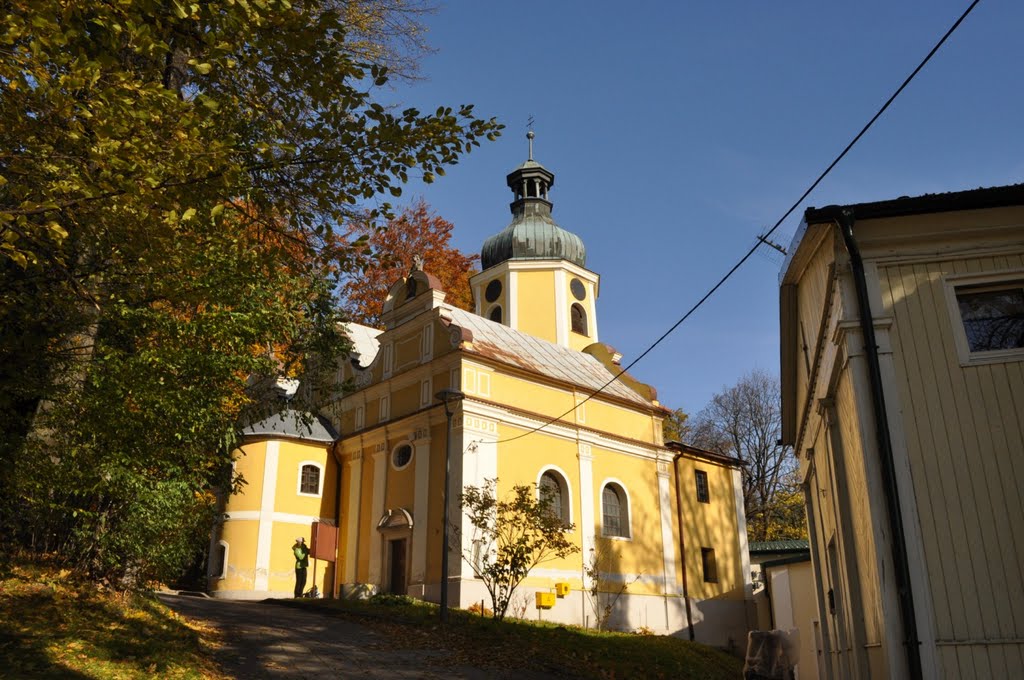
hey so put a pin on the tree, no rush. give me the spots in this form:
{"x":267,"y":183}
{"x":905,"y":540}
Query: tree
{"x":745,"y":421}
{"x":170,"y":174}
{"x":510,"y":537}
{"x":675,"y":428}
{"x":389,"y":251}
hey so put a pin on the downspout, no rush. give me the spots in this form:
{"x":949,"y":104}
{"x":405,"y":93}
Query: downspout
{"x":682,"y":546}
{"x":844,"y":220}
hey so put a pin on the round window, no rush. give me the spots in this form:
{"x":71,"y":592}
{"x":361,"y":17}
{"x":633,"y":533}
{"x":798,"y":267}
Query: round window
{"x":578,"y":291}
{"x":493,"y":290}
{"x":401,"y":456}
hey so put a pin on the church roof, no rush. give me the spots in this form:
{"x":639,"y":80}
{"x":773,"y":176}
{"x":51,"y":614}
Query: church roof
{"x":509,"y":346}
{"x":293,"y":424}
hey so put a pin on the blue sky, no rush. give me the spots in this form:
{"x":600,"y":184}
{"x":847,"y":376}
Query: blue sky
{"x":678,"y":131}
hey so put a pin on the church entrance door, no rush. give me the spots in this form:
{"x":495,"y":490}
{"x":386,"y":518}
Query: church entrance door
{"x":397,"y":561}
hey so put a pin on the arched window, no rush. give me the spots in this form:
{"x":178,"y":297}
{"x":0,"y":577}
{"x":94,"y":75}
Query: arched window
{"x":495,"y":314}
{"x":553,"y":488}
{"x":578,"y":316}
{"x":614,"y":511}
{"x":309,"y":478}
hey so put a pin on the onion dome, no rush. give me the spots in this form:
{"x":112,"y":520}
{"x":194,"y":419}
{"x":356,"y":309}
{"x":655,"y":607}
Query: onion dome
{"x":533,"y":234}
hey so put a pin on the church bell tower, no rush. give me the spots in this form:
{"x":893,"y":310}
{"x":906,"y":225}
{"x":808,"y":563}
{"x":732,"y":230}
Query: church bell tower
{"x":534,"y":277}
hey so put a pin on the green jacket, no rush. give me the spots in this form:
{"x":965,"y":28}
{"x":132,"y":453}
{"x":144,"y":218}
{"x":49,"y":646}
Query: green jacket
{"x":301,"y":556}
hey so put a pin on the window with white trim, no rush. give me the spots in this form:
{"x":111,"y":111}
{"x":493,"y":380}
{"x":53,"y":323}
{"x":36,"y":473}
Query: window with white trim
{"x":992,"y":316}
{"x":987,"y":312}
{"x":578,"y":319}
{"x":401,"y":456}
{"x":614,"y":511}
{"x":554,"y":490}
{"x":309,"y":478}
{"x":701,"y":479}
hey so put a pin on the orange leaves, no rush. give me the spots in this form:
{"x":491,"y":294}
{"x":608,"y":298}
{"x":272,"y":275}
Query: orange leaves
{"x":390,"y":250}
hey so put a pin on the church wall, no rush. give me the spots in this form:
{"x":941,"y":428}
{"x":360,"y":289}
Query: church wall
{"x":712,"y":525}
{"x":264,"y":518}
{"x":531,"y":395}
{"x":248,"y":464}
{"x":619,"y":420}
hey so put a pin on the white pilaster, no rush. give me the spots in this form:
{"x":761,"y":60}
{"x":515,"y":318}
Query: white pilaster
{"x":512,"y":296}
{"x":352,"y":519}
{"x":586,"y":459}
{"x":561,"y":311}
{"x":380,"y":470}
{"x":741,"y":526}
{"x":266,"y":524}
{"x":474,"y":461}
{"x":667,"y":535}
{"x":420,"y":505}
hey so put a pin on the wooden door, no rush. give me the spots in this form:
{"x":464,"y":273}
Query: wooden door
{"x":396,"y":550}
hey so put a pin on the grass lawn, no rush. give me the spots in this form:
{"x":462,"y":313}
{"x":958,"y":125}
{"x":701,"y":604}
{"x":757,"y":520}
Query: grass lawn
{"x":534,"y":646}
{"x":51,"y":627}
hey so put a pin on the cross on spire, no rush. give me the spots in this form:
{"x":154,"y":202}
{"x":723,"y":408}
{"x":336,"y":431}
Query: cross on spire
{"x":529,"y":134}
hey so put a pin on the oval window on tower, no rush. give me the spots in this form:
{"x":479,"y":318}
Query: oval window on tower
{"x":578,"y":291}
{"x":493,"y":290}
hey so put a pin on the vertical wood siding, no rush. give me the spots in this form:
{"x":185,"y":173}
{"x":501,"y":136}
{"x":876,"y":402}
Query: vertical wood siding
{"x":964,"y":429}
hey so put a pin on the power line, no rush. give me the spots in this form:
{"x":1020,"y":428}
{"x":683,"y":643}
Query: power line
{"x":764,"y":236}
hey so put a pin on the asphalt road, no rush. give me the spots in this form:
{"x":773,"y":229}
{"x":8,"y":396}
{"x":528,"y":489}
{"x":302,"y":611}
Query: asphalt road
{"x":266,"y":640}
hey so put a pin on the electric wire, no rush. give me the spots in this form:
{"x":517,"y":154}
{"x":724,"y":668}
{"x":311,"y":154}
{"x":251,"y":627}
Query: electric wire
{"x":750,"y":252}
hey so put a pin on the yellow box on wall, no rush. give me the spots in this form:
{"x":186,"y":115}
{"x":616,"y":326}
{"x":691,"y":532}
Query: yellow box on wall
{"x":561,"y":589}
{"x":545,"y":600}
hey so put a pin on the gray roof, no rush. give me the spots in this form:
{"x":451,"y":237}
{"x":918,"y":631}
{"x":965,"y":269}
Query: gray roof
{"x":293,"y":424}
{"x":509,"y":346}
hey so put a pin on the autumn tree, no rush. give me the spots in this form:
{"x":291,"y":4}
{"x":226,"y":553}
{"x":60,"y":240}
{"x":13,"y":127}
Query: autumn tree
{"x":675,"y":427}
{"x":745,"y":421}
{"x":388,"y":253}
{"x":170,"y":174}
{"x":510,"y":536}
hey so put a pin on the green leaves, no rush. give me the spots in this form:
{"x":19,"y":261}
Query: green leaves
{"x":170,"y":179}
{"x":511,"y":536}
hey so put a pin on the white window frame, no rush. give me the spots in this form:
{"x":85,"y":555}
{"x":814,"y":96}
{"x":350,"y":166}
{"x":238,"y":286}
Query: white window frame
{"x":567,"y":487}
{"x":391,"y":456}
{"x":1013,"y":278}
{"x":628,"y":533}
{"x":319,"y":479}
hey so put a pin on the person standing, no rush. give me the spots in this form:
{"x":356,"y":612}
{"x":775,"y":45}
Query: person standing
{"x":301,"y":564}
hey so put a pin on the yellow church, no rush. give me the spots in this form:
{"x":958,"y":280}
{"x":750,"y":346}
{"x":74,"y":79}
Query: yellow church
{"x":533,"y":400}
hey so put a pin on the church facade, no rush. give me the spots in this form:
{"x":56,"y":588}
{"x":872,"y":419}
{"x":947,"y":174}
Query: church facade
{"x":659,"y":526}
